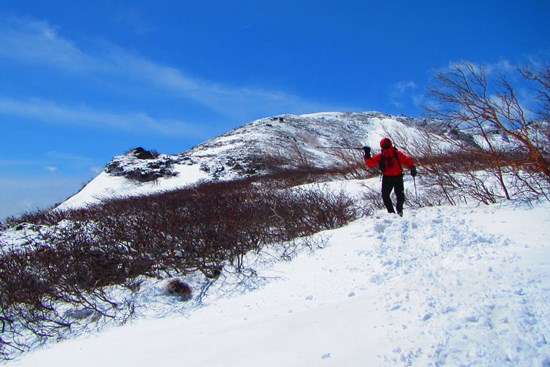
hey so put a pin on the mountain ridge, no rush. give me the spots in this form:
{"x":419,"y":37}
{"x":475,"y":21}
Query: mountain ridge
{"x":277,"y":142}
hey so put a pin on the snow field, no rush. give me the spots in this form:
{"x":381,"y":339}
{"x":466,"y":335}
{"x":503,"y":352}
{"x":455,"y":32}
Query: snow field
{"x":442,"y":286}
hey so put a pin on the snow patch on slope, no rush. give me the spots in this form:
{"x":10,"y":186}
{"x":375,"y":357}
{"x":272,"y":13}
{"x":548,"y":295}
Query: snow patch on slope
{"x":106,"y":186}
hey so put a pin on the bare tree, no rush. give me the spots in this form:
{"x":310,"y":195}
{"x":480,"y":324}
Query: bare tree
{"x":467,"y":99}
{"x":542,"y":79}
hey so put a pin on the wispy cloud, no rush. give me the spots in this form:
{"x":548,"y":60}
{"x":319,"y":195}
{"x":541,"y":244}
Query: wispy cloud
{"x":52,"y":161}
{"x":505,"y":70}
{"x":51,"y":112}
{"x":501,"y":68}
{"x":58,"y":159}
{"x":37,"y":42}
{"x":132,"y":19}
{"x":222,"y":98}
{"x":402,"y":92}
{"x":11,"y":163}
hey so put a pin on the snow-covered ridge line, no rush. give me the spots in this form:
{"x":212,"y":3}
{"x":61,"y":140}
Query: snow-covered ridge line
{"x":242,"y":152}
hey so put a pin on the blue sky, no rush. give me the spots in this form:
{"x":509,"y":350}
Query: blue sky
{"x":82,"y":81}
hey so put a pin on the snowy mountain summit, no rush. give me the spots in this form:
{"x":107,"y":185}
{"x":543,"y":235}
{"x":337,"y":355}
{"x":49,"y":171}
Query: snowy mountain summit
{"x":285,"y":141}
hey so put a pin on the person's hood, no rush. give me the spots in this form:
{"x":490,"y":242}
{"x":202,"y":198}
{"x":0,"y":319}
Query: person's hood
{"x":386,"y":144}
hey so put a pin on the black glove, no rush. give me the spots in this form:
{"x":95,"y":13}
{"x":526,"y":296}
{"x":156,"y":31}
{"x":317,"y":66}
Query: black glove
{"x":367,"y":152}
{"x":413,"y":171}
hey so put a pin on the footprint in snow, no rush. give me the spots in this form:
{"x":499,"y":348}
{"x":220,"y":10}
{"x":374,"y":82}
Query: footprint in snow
{"x":395,"y":307}
{"x":472,"y":318}
{"x":377,"y":279}
{"x":379,"y":227}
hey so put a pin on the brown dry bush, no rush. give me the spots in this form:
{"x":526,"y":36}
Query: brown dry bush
{"x":79,"y":254}
{"x":455,"y":170}
{"x":470,"y":177}
{"x":467,"y":96}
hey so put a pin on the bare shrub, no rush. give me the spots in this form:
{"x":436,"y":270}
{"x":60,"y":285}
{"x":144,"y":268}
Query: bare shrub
{"x":457,"y":170}
{"x":510,"y":147}
{"x":81,"y":254}
{"x":372,"y":199}
{"x":304,"y":212}
{"x":352,"y":163}
{"x":468,"y":99}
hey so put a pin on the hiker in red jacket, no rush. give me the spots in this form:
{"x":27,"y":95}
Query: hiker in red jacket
{"x":390,"y":161}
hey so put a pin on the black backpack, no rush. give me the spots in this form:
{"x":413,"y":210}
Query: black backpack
{"x":382,"y":163}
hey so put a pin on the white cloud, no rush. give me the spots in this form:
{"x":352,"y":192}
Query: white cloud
{"x":34,"y":41}
{"x":37,"y":42}
{"x":403,"y":86}
{"x":56,"y":158}
{"x":525,"y":91}
{"x":230,"y":100}
{"x":503,"y":66}
{"x":66,"y":156}
{"x":80,"y":115}
{"x":497,"y":69}
{"x":131,"y":19}
{"x":402,"y":92}
{"x":9,"y":163}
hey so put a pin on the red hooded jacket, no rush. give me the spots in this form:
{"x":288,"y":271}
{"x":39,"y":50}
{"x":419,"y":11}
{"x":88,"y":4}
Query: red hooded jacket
{"x":392,"y":167}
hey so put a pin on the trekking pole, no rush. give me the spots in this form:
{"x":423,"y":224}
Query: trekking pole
{"x":343,"y":148}
{"x":415,"y":192}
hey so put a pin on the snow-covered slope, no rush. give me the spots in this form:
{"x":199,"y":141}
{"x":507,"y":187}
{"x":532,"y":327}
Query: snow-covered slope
{"x":254,"y":148}
{"x":443,"y":286}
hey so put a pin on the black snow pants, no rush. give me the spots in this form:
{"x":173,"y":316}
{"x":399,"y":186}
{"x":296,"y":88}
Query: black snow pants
{"x":390,"y":183}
